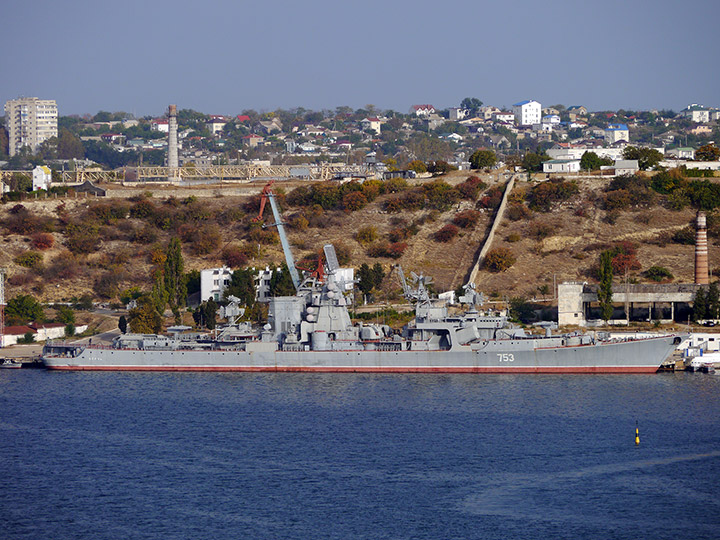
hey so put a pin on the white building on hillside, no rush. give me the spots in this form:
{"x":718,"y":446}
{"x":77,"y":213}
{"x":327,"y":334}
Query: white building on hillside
{"x":617,"y":132}
{"x":30,"y":122}
{"x":527,"y":112}
{"x":213,"y":283}
{"x":42,"y":177}
{"x":696,"y":113}
{"x":561,"y":166}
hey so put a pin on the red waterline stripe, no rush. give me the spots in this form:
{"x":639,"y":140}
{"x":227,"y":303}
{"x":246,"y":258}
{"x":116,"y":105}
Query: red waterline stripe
{"x":289,"y":369}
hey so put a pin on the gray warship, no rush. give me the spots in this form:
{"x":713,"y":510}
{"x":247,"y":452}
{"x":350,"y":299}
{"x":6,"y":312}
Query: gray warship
{"x":313,"y":331}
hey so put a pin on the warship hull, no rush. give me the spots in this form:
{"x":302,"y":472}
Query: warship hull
{"x":494,"y":356}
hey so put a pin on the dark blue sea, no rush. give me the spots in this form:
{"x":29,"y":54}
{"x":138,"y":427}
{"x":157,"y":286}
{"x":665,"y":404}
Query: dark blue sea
{"x":347,"y":456}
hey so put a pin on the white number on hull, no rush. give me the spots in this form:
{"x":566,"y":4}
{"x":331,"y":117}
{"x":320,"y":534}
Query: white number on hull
{"x":506,"y":357}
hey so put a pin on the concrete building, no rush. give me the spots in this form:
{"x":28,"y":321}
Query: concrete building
{"x":30,"y":122}
{"x":213,"y":283}
{"x":578,"y":303}
{"x":527,"y":112}
{"x":561,"y":166}
{"x":616,"y":133}
{"x":696,"y":113}
{"x":456,"y":114}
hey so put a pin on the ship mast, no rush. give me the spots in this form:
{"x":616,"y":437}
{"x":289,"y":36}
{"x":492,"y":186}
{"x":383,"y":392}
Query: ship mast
{"x":2,"y":307}
{"x":268,"y":195}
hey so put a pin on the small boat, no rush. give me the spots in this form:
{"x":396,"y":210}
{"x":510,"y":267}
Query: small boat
{"x":9,"y":363}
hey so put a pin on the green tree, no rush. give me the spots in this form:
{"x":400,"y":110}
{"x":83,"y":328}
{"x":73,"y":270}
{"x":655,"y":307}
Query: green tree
{"x":713,"y":301}
{"x":590,"y":161}
{"x":122,"y":324}
{"x":174,"y":278}
{"x":242,"y":286}
{"x":483,"y":159}
{"x":647,"y":158}
{"x":281,"y":282}
{"x":532,"y":162}
{"x":205,"y":315}
{"x":145,"y":319}
{"x":472,"y":105}
{"x":69,"y":146}
{"x":65,"y":314}
{"x":24,"y":308}
{"x":708,"y":152}
{"x":700,"y":305}
{"x":605,"y":288}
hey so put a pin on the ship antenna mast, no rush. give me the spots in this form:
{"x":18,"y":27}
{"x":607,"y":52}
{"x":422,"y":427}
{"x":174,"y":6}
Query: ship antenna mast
{"x":268,"y":195}
{"x":2,"y":307}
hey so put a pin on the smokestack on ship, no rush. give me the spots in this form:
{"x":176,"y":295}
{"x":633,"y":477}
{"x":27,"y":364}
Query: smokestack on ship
{"x":172,"y":157}
{"x":701,"y":251}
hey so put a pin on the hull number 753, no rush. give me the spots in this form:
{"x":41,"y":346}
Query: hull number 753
{"x":506,"y":357}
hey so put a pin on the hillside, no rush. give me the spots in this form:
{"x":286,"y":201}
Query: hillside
{"x":103,"y":246}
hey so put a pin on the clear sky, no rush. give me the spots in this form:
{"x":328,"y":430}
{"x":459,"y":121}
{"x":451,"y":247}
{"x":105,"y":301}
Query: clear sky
{"x":223,"y":56}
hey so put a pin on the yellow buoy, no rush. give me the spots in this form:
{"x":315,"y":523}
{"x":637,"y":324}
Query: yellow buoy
{"x":637,"y":437}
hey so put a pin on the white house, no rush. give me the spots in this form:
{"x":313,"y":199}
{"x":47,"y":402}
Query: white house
{"x":552,"y":119}
{"x":216,"y":124}
{"x":696,"y":113}
{"x":487,"y":112}
{"x":160,"y":124}
{"x":42,"y":176}
{"x":371,"y":124}
{"x":617,"y":132}
{"x":626,"y":166}
{"x":527,"y":112}
{"x":681,"y":153}
{"x":503,"y":117}
{"x":561,"y":166}
{"x":422,"y":110}
{"x":213,"y":283}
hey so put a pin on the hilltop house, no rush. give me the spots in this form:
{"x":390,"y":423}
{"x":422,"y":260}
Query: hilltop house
{"x":617,"y":132}
{"x":371,"y":124}
{"x":696,"y":113}
{"x":422,"y":110}
{"x":527,"y":112}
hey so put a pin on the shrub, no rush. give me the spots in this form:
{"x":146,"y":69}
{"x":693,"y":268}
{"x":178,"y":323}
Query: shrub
{"x":82,"y":237}
{"x":517,"y":211}
{"x":440,"y":194}
{"x":354,"y":201}
{"x":30,"y":259}
{"x":447,"y":233}
{"x":207,"y":239}
{"x":366,"y":235}
{"x":107,"y":285}
{"x":685,"y":236}
{"x":544,"y":195}
{"x":395,"y":185}
{"x":142,"y":209}
{"x":64,"y":266}
{"x":234,"y":257}
{"x":417,"y":166}
{"x":491,"y":199}
{"x":470,"y":188}
{"x":514,"y":237}
{"x":144,"y":235}
{"x":658,"y":273}
{"x":299,"y":222}
{"x":499,"y":259}
{"x":466,"y":218}
{"x":540,"y":230}
{"x":42,"y":240}
{"x":393,"y":251}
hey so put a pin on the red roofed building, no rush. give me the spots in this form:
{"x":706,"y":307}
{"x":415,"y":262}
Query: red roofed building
{"x":243,"y":118}
{"x":422,"y":110}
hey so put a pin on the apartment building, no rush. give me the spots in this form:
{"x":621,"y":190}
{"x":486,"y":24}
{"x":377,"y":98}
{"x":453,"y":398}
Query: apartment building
{"x":29,"y":122}
{"x":527,"y":113}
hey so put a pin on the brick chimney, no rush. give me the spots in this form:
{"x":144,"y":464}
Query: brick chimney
{"x":701,"y":251}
